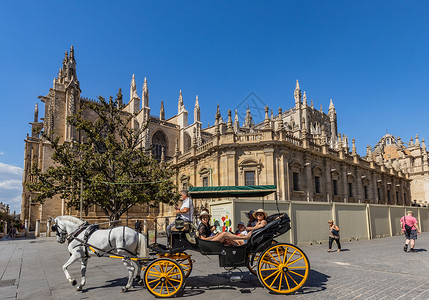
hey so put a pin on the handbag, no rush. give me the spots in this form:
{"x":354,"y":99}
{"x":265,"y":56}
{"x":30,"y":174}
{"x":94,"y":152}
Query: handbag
{"x":336,"y":233}
{"x":407,"y":227}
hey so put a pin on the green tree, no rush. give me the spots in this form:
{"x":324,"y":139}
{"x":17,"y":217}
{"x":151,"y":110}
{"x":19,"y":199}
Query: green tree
{"x":116,"y":170}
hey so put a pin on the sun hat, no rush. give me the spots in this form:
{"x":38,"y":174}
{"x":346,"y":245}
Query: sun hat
{"x":410,"y":212}
{"x":250,"y":213}
{"x":204,"y":213}
{"x":260,"y":211}
{"x":241,"y":223}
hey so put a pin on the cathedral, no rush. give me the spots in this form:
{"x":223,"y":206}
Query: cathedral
{"x":299,"y":150}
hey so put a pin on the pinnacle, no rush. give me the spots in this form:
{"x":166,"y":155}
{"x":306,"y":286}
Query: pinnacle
{"x":297,"y":85}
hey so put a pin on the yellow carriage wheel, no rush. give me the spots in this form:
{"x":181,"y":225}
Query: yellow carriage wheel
{"x":164,"y":278}
{"x":253,"y":265}
{"x":283,"y":268}
{"x":183,"y":259}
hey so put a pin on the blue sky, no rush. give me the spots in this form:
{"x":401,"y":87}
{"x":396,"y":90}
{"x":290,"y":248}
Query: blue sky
{"x":370,"y":57}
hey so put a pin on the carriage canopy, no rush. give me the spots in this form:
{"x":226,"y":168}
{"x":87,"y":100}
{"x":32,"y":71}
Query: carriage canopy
{"x":231,"y":191}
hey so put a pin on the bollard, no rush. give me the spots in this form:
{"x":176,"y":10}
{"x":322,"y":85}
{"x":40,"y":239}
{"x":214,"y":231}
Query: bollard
{"x":37,"y":233}
{"x":145,"y":226}
{"x":48,"y":228}
{"x":26,"y":227}
{"x":5,"y":228}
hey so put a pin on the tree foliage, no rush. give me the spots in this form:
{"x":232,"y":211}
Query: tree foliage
{"x":116,"y":170}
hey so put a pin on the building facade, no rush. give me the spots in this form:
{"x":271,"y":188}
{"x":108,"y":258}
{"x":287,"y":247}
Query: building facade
{"x":300,"y":150}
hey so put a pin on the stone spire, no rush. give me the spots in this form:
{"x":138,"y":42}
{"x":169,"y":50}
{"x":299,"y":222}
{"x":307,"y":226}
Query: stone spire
{"x":417,"y":142}
{"x":229,"y":124}
{"x":217,"y":118}
{"x":248,"y":119}
{"x":71,"y":65}
{"x":133,"y":89}
{"x":266,"y":120}
{"x":423,"y":144}
{"x":280,"y":124}
{"x":354,"y":147}
{"x":180,"y":105}
{"x":304,"y":100}
{"x":312,"y":105}
{"x":236,"y":122}
{"x":36,"y":113}
{"x":145,"y":94}
{"x":321,"y":108}
{"x":331,"y":106}
{"x":297,"y":93}
{"x":197,"y":114}
{"x":162,"y":112}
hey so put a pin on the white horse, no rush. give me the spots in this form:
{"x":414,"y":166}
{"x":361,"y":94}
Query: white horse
{"x":121,"y":241}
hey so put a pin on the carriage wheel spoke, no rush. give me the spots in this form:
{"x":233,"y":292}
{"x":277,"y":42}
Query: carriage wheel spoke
{"x":162,"y":285}
{"x":166,"y":286}
{"x":296,"y":273}
{"x":270,"y":269}
{"x":153,"y":281}
{"x":284,"y":257}
{"x":271,"y":263}
{"x":291,"y":278}
{"x":278,"y":273}
{"x":273,"y":257}
{"x":280,"y":282}
{"x":172,"y":285}
{"x":287,"y":283}
{"x":272,"y":274}
{"x":172,"y":279}
{"x":294,"y":261}
{"x":302,"y":267}
{"x":290,"y":256}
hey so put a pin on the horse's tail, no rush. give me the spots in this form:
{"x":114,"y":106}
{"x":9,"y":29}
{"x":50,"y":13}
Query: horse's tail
{"x":141,"y":246}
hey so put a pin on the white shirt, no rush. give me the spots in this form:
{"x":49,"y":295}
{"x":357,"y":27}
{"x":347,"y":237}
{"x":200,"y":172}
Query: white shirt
{"x":187,"y":203}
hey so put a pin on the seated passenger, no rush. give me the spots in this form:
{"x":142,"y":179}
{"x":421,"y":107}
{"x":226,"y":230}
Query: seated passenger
{"x":204,"y":230}
{"x":204,"y":233}
{"x":260,"y":215}
{"x":241,"y":229}
{"x":252,"y":221}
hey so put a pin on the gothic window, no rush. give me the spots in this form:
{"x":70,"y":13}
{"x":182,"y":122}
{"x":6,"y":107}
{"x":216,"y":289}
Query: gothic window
{"x":365,"y":191}
{"x":159,"y":142}
{"x":249,"y":172}
{"x":378,"y":194}
{"x":204,"y":174}
{"x":295,"y":181}
{"x":249,"y":178}
{"x":405,"y":198}
{"x":317,"y":171}
{"x":317,"y":184}
{"x":335,"y":187}
{"x":184,"y":180}
{"x":388,"y":196}
{"x":397,"y":197}
{"x":350,"y":189}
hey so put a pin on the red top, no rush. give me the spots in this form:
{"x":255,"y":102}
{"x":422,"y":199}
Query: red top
{"x":410,"y":221}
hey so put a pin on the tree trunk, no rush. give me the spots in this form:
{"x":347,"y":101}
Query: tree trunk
{"x":114,"y":220}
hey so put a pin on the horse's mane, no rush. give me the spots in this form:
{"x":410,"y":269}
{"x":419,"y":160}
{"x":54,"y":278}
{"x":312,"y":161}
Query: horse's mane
{"x":72,"y":219}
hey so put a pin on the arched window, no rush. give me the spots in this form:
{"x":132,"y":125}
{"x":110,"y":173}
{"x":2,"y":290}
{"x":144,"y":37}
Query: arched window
{"x":159,"y":142}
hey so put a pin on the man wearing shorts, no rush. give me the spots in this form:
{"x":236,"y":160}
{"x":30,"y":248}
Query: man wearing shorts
{"x":411,"y":235}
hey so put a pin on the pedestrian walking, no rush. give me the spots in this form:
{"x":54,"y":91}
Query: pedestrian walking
{"x":334,"y":235}
{"x":138,"y":226}
{"x":410,"y":227}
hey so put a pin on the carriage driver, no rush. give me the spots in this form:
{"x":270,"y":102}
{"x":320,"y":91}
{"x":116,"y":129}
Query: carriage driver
{"x":185,"y":212}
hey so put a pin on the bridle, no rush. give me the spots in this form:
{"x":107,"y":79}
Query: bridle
{"x":61,"y":233}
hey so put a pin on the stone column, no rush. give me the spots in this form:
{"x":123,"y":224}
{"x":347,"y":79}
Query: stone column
{"x":269,"y":168}
{"x":359,"y":187}
{"x":48,"y":228}
{"x":328,"y":182}
{"x":26,"y":224}
{"x":345,"y":183}
{"x":308,"y":181}
{"x":37,"y":233}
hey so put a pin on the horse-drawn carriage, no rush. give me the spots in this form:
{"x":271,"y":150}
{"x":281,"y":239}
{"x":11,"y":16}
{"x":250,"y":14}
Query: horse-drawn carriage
{"x":281,"y":268}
